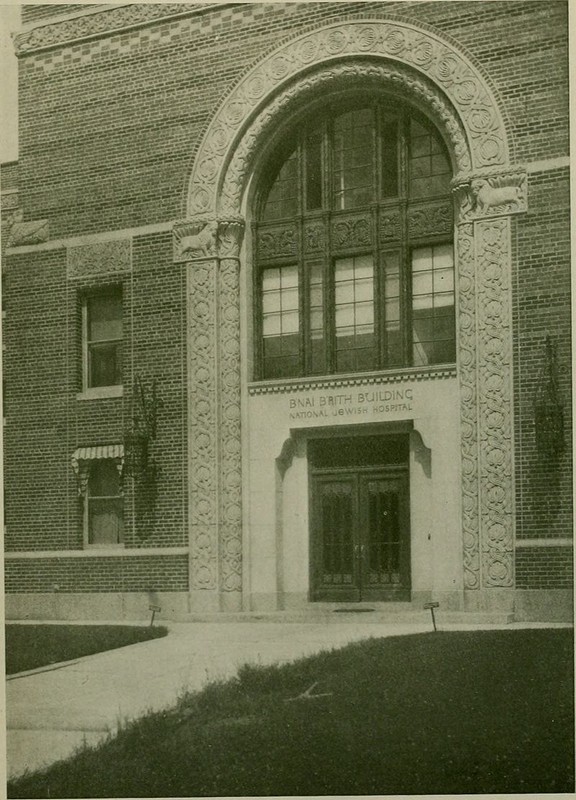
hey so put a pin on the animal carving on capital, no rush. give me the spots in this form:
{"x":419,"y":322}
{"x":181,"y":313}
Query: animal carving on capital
{"x":201,"y":244}
{"x":495,"y":193}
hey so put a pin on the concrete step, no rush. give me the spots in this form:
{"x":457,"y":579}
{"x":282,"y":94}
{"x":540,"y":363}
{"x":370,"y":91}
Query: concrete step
{"x":374,"y":614}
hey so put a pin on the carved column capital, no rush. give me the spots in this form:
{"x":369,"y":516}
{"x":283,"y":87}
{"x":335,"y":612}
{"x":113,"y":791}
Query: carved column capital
{"x":490,"y":193}
{"x":199,"y":238}
{"x":230,"y":236}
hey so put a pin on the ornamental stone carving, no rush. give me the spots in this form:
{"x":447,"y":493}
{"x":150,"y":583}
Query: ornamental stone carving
{"x":428,"y":59}
{"x":278,"y":242}
{"x":212,"y":249}
{"x":85,"y":26}
{"x":492,"y":193}
{"x":204,"y":196}
{"x":27,"y":233}
{"x":430,"y":220}
{"x":394,"y":57}
{"x":353,"y":232}
{"x":99,"y":258}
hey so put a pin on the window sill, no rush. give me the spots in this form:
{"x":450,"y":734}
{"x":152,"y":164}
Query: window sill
{"x":101,"y":393}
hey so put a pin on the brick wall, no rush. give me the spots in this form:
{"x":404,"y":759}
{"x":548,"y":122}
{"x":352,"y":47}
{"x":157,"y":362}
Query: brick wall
{"x":109,"y":126}
{"x":544,"y":568}
{"x":45,"y":419}
{"x":542,"y":308}
{"x":141,"y":574}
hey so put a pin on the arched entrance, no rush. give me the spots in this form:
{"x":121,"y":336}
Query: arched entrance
{"x":453,"y":92}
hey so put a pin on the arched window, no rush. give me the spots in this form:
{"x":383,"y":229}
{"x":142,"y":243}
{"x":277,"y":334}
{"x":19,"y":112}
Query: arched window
{"x":345,"y":281}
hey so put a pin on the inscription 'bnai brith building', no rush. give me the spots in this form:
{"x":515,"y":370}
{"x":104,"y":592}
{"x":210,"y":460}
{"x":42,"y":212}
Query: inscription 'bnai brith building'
{"x":286,"y":309}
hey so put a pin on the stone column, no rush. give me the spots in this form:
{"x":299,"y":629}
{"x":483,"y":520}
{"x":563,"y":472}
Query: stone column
{"x":483,"y":247}
{"x":210,"y":250}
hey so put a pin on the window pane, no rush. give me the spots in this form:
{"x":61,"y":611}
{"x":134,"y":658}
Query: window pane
{"x":390,"y":158}
{"x":105,"y":503}
{"x":104,"y":317}
{"x":281,"y":326}
{"x":105,"y":364}
{"x":353,"y":159}
{"x":354,"y":315}
{"x":104,"y":478}
{"x":430,"y":169}
{"x":314,"y":171}
{"x":105,"y":523}
{"x":282,"y":200}
{"x":433,"y":323}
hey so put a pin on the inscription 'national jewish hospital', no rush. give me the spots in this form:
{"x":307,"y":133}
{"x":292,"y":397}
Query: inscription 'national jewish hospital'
{"x":351,"y":404}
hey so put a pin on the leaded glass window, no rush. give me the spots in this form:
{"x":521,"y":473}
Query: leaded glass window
{"x":354,"y":265}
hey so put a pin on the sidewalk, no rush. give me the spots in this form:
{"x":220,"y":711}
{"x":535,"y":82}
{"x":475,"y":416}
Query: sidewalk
{"x":52,"y":712}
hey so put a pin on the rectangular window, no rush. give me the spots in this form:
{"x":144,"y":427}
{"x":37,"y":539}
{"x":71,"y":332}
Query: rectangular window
{"x":354,"y":313}
{"x":280,"y":322}
{"x":104,"y":504}
{"x":103,"y":339}
{"x":433,"y":319}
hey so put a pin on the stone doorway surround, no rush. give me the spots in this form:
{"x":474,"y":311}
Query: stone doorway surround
{"x":434,"y":73}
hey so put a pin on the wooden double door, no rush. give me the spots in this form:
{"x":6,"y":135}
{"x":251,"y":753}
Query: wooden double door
{"x":360,"y":535}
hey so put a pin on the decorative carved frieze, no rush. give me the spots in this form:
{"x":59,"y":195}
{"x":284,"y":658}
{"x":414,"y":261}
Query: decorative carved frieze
{"x":495,"y":412}
{"x":351,"y":232}
{"x":468,"y":366}
{"x":277,"y":242}
{"x":314,"y":236}
{"x":202,"y":424}
{"x":414,"y":374}
{"x":205,"y":238}
{"x":99,"y":258}
{"x":27,"y":233}
{"x":390,"y":226}
{"x":195,"y":239}
{"x":430,"y":220}
{"x":432,"y":62}
{"x":100,"y":21}
{"x":492,"y":194}
{"x":230,"y":454}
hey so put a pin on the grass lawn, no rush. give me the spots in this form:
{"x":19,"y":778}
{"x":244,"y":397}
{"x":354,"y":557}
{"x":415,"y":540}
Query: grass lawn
{"x":437,"y":713}
{"x":31,"y":646}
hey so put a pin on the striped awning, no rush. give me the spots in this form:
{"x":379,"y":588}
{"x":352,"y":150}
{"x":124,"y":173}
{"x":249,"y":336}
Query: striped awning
{"x":97,"y":451}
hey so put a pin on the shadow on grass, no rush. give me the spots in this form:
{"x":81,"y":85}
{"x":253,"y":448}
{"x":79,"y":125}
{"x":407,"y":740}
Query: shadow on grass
{"x":445,"y":713}
{"x":32,"y":646}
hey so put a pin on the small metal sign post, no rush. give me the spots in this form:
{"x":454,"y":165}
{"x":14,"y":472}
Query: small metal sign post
{"x":432,"y":606}
{"x":153,"y":609}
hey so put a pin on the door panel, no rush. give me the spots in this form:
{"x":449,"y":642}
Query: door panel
{"x":360,"y":539}
{"x":385,"y":562}
{"x":335,"y":571}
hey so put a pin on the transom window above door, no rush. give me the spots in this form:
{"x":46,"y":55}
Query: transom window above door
{"x":354,"y":266}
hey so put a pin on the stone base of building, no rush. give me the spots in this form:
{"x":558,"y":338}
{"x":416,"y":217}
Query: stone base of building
{"x":92,"y":606}
{"x":544,"y":605}
{"x":483,"y":607}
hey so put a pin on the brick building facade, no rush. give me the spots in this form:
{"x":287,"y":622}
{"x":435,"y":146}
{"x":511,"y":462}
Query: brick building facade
{"x":287,"y":309}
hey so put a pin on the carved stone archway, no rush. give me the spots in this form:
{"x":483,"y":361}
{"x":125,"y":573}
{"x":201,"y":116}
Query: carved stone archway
{"x":446,"y":84}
